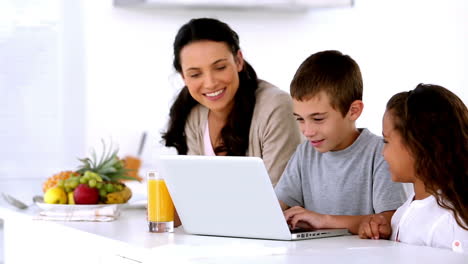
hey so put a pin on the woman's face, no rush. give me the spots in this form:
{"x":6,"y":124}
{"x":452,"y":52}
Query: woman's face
{"x":399,"y":159}
{"x":210,"y":72}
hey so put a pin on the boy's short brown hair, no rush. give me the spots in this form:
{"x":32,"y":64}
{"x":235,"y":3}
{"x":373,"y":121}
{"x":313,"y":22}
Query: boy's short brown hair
{"x":330,"y":71}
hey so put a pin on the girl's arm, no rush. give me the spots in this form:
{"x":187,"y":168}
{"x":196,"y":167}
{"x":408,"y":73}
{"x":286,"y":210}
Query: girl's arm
{"x":376,"y":226}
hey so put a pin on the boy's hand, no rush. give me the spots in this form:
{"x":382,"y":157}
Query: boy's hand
{"x":299,"y":217}
{"x":375,"y":227}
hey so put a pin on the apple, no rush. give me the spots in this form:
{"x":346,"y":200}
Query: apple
{"x":55,"y":195}
{"x":83,"y":194}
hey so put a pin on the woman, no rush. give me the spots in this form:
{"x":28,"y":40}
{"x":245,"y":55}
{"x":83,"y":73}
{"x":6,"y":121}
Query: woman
{"x":224,"y":109}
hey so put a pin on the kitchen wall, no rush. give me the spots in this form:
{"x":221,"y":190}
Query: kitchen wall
{"x":130,"y":83}
{"x":41,"y":87}
{"x":398,"y":44}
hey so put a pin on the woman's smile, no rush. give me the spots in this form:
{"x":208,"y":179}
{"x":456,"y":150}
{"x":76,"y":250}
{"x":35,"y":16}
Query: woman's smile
{"x":215,"y":95}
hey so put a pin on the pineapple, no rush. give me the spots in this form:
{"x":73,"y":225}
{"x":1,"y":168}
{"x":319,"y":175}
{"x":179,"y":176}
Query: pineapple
{"x":109,"y":166}
{"x":53,"y":180}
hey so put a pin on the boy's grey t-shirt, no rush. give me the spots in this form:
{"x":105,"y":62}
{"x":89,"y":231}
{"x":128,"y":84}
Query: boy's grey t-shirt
{"x":353,"y":181}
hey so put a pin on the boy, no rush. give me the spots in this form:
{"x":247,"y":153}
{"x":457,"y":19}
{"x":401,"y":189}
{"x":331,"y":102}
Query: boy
{"x":338,"y":176}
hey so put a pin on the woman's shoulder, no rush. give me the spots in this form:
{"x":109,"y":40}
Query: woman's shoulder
{"x":268,"y":94}
{"x":272,"y":104}
{"x":197,"y":115}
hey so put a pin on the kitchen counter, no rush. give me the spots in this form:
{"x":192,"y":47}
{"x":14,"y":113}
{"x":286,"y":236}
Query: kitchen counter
{"x":127,"y":240}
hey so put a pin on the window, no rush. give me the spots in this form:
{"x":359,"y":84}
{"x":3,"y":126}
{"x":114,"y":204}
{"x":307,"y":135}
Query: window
{"x":41,"y":87}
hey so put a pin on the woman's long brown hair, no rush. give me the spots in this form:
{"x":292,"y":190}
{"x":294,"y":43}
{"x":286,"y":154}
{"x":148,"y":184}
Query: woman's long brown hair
{"x":433,"y":123}
{"x":235,"y":133}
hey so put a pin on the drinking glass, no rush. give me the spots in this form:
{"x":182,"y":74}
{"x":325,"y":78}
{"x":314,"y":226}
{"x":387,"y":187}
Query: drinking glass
{"x":160,"y":206}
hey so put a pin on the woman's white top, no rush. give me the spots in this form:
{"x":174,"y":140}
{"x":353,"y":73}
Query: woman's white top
{"x":424,"y":222}
{"x":207,"y":142}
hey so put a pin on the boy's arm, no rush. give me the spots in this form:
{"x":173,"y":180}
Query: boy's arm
{"x":351,"y":222}
{"x":300,"y":217}
{"x":289,"y":187}
{"x":284,"y":206}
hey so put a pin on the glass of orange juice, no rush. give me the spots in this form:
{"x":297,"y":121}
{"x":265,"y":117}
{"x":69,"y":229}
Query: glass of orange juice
{"x":160,"y":206}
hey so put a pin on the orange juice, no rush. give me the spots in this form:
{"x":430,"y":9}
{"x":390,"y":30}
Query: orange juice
{"x":160,"y":207}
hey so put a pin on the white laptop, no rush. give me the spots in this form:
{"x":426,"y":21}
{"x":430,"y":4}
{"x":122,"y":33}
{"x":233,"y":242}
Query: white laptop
{"x":229,"y":196}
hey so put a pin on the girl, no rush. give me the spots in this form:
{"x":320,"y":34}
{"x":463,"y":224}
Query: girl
{"x":426,"y":143}
{"x":223,"y":109}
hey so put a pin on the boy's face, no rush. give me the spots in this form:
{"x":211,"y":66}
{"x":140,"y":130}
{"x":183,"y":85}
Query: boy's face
{"x":399,"y":159}
{"x":324,"y":127}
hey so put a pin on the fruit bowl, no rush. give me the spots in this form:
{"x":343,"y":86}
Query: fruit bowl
{"x":39,"y":201}
{"x":72,"y":207}
{"x":97,"y":181}
{"x":78,"y":212}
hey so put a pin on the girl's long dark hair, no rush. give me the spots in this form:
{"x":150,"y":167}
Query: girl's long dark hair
{"x":235,"y":134}
{"x":433,"y":123}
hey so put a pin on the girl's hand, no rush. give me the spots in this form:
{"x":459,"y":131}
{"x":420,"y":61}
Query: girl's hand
{"x":375,"y":227}
{"x":298,"y":217}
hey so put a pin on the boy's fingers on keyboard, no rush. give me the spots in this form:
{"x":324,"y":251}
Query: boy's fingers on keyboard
{"x":304,"y":219}
{"x":293,"y":221}
{"x":303,"y":225}
{"x":291,"y":212}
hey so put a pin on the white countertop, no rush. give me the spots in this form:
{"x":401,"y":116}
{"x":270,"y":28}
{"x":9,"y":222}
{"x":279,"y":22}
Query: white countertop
{"x":128,"y":239}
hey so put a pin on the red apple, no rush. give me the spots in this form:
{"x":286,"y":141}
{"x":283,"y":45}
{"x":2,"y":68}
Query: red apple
{"x":84,"y":194}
